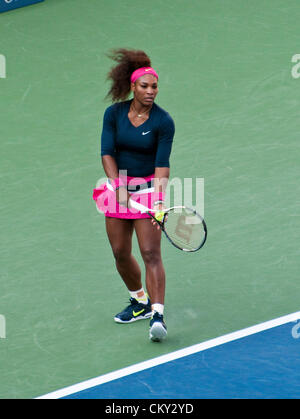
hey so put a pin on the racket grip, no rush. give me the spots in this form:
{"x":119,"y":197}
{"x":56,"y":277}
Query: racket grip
{"x":139,"y":207}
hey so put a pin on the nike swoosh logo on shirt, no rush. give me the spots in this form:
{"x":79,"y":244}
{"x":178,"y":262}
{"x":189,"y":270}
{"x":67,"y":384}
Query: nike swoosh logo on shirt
{"x":145,"y":133}
{"x":137,"y":313}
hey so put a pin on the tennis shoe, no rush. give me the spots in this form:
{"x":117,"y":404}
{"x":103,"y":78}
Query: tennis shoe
{"x":135,"y":311}
{"x":158,"y":328}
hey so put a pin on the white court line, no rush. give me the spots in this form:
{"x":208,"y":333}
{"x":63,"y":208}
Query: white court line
{"x":171,"y":356}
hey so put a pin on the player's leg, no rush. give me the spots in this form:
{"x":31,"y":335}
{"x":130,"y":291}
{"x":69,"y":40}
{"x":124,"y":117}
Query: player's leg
{"x":149,"y":239}
{"x":119,"y":233}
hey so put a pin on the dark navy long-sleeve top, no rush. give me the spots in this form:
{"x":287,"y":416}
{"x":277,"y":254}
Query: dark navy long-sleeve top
{"x":137,"y":149}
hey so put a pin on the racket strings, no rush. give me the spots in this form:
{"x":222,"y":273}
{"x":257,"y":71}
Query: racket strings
{"x":185,"y":229}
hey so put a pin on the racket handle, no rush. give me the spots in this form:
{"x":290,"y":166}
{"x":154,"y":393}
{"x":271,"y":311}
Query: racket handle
{"x":138,"y":206}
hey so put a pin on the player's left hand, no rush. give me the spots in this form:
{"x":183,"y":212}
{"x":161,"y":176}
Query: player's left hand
{"x":157,"y":208}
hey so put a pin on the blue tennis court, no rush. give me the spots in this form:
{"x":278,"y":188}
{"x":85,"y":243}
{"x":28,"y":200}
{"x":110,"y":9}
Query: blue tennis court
{"x":260,"y":362}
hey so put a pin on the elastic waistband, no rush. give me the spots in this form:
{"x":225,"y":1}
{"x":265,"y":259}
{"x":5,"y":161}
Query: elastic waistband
{"x":147,"y":187}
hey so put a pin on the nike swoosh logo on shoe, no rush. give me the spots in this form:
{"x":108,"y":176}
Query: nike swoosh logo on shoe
{"x":138,"y":312}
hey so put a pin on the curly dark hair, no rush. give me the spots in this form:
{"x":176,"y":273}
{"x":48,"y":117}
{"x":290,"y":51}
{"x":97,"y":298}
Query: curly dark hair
{"x":128,"y":61}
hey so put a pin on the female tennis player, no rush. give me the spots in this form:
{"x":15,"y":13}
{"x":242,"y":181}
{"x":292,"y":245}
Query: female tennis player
{"x":136,"y":143}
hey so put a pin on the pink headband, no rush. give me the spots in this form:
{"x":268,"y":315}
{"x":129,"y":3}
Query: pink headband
{"x":141,"y":72}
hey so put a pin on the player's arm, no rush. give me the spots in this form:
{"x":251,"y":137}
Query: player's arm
{"x":162,"y":159}
{"x":161,"y":178}
{"x":162,"y":165}
{"x":110,"y":167}
{"x":108,"y":154}
{"x":111,"y":170}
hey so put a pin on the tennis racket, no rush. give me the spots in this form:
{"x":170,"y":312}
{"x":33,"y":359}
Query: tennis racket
{"x":182,"y":226}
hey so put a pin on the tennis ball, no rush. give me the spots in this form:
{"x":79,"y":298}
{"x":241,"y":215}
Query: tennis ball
{"x":159,"y":215}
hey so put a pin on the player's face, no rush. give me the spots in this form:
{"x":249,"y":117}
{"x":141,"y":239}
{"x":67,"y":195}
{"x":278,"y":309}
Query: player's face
{"x":145,"y":89}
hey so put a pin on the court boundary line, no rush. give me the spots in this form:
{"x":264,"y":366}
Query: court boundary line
{"x":162,"y":359}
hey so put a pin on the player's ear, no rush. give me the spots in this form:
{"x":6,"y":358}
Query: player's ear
{"x":132,"y":87}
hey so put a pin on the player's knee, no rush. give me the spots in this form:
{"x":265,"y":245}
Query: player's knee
{"x":151,"y":256}
{"x":121,"y":254}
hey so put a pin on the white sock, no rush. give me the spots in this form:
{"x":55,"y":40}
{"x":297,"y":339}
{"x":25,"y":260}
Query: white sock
{"x":158,"y":307}
{"x":139,"y":295}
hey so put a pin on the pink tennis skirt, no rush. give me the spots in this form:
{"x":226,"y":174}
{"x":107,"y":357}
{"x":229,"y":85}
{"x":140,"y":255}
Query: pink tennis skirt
{"x":140,"y":189}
